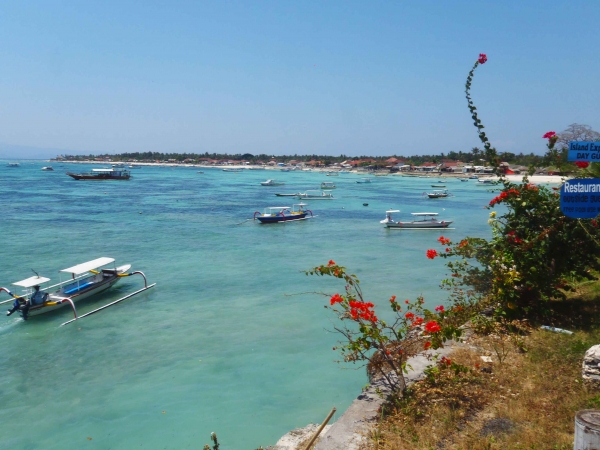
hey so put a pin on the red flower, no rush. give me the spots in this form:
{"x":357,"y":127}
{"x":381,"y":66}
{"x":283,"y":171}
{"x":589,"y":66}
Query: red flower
{"x":335,"y":299}
{"x":427,"y":345}
{"x":594,"y":223}
{"x":446,"y":361}
{"x":393,"y":299}
{"x":448,"y":249}
{"x":418,"y":321}
{"x":409,"y":316}
{"x":549,"y":135}
{"x":440,"y":308}
{"x":331,"y":262}
{"x":406,"y":301}
{"x":482,"y":58}
{"x":444,"y":241}
{"x":431,"y":253}
{"x":582,"y":164}
{"x":432,"y":327}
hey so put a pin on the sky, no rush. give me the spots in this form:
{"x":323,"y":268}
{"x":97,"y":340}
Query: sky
{"x":347,"y":77}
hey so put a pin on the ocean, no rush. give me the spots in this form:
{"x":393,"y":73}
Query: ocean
{"x":234,"y":337}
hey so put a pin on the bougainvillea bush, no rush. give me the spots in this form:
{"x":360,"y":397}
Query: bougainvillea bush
{"x":535,"y":253}
{"x":385,"y":346}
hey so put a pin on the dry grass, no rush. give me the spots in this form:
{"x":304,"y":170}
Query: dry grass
{"x":528,"y":401}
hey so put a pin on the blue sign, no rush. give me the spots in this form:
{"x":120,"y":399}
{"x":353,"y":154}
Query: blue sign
{"x":584,"y":151}
{"x":580,"y":198}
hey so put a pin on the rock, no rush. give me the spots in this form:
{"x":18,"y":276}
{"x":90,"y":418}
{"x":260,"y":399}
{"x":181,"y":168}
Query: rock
{"x":590,"y":371}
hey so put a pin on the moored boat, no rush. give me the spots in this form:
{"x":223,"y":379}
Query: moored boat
{"x":424,"y":220}
{"x":315,"y":195}
{"x":102,"y":174}
{"x":328,"y":185}
{"x":83,"y":281}
{"x":364,"y":180}
{"x":485,"y":182}
{"x":272,"y":183}
{"x":47,"y":169}
{"x":13,"y":164}
{"x":276,"y":214}
{"x":441,"y":193}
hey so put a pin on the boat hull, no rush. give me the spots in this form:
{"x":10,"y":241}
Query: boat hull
{"x":279,"y":218}
{"x":419,"y":224}
{"x":98,"y":177}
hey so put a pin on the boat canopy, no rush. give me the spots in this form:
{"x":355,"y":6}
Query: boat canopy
{"x":394,"y":211}
{"x":277,"y":207}
{"x":424,"y":214}
{"x":31,"y":281}
{"x":106,"y":170}
{"x":87,"y":266}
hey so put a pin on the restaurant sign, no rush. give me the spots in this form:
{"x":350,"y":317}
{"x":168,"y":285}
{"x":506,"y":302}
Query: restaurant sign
{"x":580,"y":198}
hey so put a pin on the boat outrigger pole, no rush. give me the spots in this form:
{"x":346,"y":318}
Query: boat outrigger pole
{"x":14,"y":297}
{"x":146,"y":287}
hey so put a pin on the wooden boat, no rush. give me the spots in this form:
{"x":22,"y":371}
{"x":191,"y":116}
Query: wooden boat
{"x":288,"y":195}
{"x":422,"y":221}
{"x":328,"y":185}
{"x":102,"y":174}
{"x":438,"y":185}
{"x":277,"y":214}
{"x":315,"y":195}
{"x":332,"y":174}
{"x":83,"y":281}
{"x":272,"y":183}
{"x":437,"y":193}
{"x":484,"y":182}
{"x":364,"y":180}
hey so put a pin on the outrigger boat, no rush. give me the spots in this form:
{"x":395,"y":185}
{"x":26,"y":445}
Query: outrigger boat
{"x":86,"y":279}
{"x":102,"y":174}
{"x":276,"y":214}
{"x":437,"y":193}
{"x":328,"y":185}
{"x":425,"y":220}
{"x":315,"y":195}
{"x":272,"y":183}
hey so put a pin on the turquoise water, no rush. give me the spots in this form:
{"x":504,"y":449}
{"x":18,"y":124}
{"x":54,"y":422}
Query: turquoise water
{"x":226,"y":341}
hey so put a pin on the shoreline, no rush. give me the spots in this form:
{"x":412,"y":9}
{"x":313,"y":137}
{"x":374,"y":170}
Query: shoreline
{"x":547,"y":179}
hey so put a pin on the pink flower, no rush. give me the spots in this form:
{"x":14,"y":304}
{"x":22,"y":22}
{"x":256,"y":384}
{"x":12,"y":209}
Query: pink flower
{"x":482,"y":58}
{"x":549,"y":135}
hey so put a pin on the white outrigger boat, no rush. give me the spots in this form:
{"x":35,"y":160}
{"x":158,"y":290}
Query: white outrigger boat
{"x":86,"y":279}
{"x":424,"y":220}
{"x":315,"y":195}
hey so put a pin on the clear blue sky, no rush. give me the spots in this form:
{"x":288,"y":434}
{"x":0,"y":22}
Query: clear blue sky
{"x":283,"y":77}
